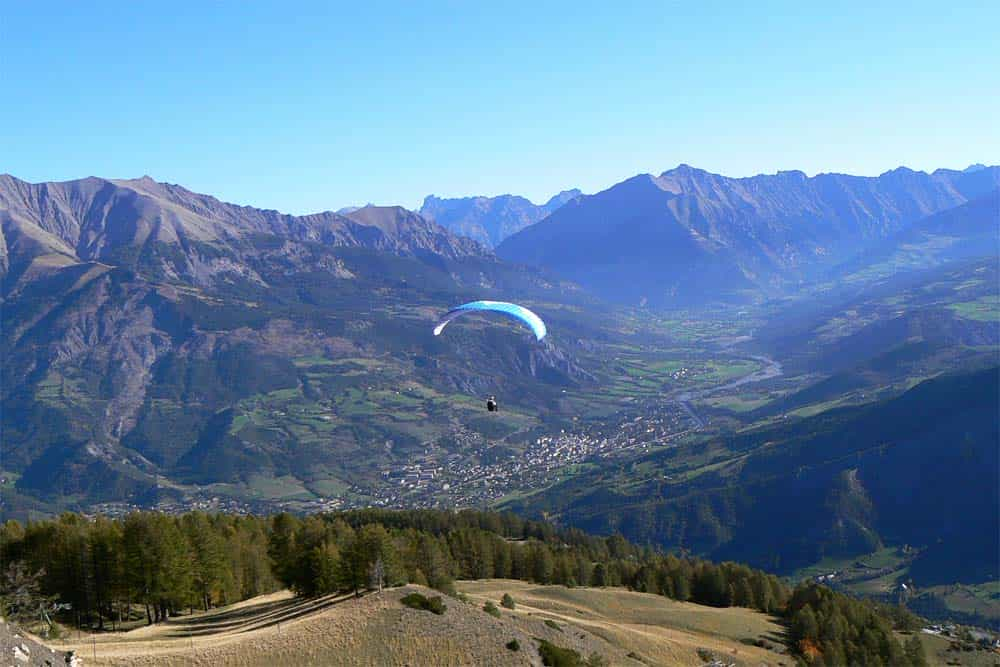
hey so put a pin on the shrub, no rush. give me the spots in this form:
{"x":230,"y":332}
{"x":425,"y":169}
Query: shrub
{"x":436,"y":605}
{"x":447,"y":586}
{"x":491,"y":609}
{"x":552,"y":624}
{"x":507,"y":602}
{"x":556,"y":656}
{"x":414,"y":601}
{"x":514,"y":645}
{"x":417,"y":601}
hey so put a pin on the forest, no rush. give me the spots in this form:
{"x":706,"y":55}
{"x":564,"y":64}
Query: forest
{"x":96,"y":572}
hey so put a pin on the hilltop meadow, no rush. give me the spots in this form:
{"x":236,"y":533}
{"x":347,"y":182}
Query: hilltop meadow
{"x":154,"y":568}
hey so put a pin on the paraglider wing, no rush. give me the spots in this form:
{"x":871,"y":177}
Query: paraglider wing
{"x":519,"y":313}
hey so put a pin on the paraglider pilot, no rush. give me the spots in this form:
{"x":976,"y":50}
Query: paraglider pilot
{"x":491,"y":404}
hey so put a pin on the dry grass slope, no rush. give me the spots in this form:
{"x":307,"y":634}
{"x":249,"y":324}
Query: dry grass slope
{"x":278,"y":629}
{"x":660,"y":631}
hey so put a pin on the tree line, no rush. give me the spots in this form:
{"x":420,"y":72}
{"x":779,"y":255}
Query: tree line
{"x":103,"y":568}
{"x":827,"y":628}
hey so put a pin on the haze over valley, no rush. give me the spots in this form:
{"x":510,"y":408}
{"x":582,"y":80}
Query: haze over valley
{"x":165,"y":349}
{"x":669,"y":335}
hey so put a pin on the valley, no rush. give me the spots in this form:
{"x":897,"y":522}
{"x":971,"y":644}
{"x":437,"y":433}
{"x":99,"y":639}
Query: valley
{"x":499,"y":334}
{"x":244,"y":361}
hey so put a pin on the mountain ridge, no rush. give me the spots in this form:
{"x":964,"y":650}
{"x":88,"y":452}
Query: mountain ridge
{"x":490,"y":220}
{"x":121,"y":297}
{"x":655,"y":237}
{"x":74,"y":210}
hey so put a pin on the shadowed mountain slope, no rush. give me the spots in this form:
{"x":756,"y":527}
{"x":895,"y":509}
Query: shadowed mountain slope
{"x":839,"y":484}
{"x":688,"y":234}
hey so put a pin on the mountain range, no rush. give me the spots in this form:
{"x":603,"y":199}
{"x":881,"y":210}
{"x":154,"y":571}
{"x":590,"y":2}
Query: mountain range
{"x":158,"y":342}
{"x":490,"y":220}
{"x":688,"y":235}
{"x":138,"y":318}
{"x":185,"y":235}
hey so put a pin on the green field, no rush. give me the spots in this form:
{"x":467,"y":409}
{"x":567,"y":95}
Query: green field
{"x":983,"y":309}
{"x":982,"y":599}
{"x":888,"y":557}
{"x":936,"y":648}
{"x":738,"y":403}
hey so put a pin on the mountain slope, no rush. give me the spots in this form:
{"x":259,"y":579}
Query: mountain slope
{"x":378,"y":629}
{"x":178,"y":234}
{"x":841,"y":483}
{"x":689,"y":234}
{"x":155,"y":337}
{"x":490,"y":220}
{"x":971,"y":229}
{"x":891,"y":325}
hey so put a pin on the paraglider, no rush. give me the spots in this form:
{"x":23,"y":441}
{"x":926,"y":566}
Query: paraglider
{"x":519,"y":313}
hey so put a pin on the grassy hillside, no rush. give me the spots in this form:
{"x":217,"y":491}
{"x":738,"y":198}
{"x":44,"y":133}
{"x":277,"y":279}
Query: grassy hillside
{"x":157,"y":569}
{"x":378,"y":629}
{"x":657,"y":630}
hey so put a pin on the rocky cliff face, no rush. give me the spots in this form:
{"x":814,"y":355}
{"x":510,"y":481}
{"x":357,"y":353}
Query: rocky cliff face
{"x":187,"y":236}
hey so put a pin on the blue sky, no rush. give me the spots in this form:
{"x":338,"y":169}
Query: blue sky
{"x":305,"y":107}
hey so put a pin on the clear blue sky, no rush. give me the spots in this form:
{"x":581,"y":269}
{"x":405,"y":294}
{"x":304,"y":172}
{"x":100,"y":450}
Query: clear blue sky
{"x":308,"y":107}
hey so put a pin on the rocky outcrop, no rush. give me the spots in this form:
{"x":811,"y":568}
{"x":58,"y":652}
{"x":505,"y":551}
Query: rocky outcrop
{"x":20,"y":649}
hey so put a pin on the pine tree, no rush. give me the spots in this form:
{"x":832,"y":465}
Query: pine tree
{"x":105,"y":538}
{"x":804,"y":625}
{"x":210,"y":569}
{"x":352,"y":569}
{"x":600,"y":575}
{"x":543,"y":566}
{"x":584,"y":570}
{"x":915,"y":652}
{"x":744,"y":594}
{"x":326,"y":565}
{"x":281,"y":546}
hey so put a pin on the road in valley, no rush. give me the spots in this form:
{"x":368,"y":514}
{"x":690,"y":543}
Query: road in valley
{"x":771,"y":369}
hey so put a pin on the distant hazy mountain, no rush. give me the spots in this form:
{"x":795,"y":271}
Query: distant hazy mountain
{"x":688,"y":234}
{"x":490,"y":220}
{"x":971,"y":229}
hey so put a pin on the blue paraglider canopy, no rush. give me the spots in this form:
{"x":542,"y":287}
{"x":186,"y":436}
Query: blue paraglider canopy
{"x":519,"y":313}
